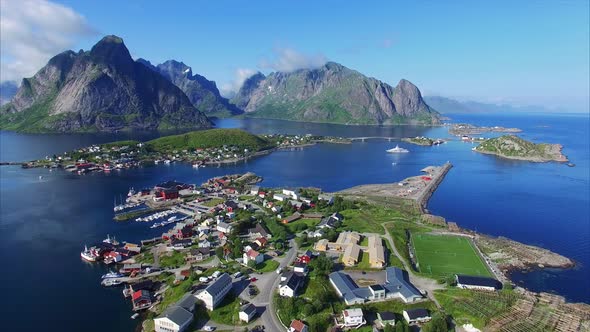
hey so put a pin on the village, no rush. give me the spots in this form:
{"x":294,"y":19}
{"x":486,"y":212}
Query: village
{"x":235,"y":256}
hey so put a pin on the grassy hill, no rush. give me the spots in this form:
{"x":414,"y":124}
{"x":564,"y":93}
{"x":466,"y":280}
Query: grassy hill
{"x":210,"y":139}
{"x":514,"y":147}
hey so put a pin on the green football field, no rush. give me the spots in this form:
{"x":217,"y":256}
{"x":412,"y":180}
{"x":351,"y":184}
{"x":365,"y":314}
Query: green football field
{"x":444,"y":255}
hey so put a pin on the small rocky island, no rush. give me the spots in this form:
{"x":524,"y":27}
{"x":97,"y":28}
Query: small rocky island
{"x":462,"y":129}
{"x":425,"y":141}
{"x":514,"y":147}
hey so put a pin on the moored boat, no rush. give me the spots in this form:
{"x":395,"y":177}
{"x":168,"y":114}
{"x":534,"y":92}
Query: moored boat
{"x":397,"y":149}
{"x":88,"y":255}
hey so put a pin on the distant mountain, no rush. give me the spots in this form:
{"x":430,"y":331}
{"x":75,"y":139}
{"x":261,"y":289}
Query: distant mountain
{"x":202,"y":93}
{"x":99,"y":90}
{"x":334,"y":94}
{"x":7,"y":91}
{"x":448,"y":105}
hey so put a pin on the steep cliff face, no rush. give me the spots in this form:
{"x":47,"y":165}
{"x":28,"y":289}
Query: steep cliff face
{"x":202,"y":93}
{"x":333,"y":93}
{"x":102,"y":89}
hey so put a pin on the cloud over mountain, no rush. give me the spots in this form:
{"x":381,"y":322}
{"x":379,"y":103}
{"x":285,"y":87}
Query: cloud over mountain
{"x":32,"y":31}
{"x":288,"y":60}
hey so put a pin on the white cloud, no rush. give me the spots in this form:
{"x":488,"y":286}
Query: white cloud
{"x":288,"y":60}
{"x":240,"y":75}
{"x":32,"y":31}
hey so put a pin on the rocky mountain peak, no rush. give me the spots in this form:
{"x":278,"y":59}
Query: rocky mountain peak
{"x":111,"y":50}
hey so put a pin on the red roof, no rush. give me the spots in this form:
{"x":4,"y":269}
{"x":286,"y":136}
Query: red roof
{"x":297,"y":325}
{"x":262,"y":240}
{"x":140,"y":293}
{"x":253,"y":253}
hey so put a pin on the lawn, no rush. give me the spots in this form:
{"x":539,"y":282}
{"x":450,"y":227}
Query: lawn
{"x":267,"y":266}
{"x":212,"y":202}
{"x":227,"y":311}
{"x":392,"y":259}
{"x":363,"y":264}
{"x":369,"y":218}
{"x":174,"y":258}
{"x":294,"y":227}
{"x":445,"y":255}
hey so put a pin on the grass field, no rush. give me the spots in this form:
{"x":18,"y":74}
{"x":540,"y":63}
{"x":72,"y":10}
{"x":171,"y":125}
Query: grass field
{"x":442,"y":256}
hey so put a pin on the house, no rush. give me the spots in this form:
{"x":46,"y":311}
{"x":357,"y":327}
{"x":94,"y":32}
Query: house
{"x":291,"y":193}
{"x":296,"y":204}
{"x":253,"y":255}
{"x":230,"y":205}
{"x":351,"y":255}
{"x":205,"y":243}
{"x":376,"y":251}
{"x":197,"y":255}
{"x":259,"y":231}
{"x":173,"y":319}
{"x":479,"y":283}
{"x":187,"y":302}
{"x":216,"y":291}
{"x":142,"y":285}
{"x":141,"y":299}
{"x":290,"y":283}
{"x":279,"y":197}
{"x":295,"y":216}
{"x":297,"y":326}
{"x":386,"y":318}
{"x":276,"y":208}
{"x":416,"y":316}
{"x":180,"y":243}
{"x":130,"y":268}
{"x":316,"y":233}
{"x":261,"y":194}
{"x":247,"y":312}
{"x":328,"y":222}
{"x":397,"y":285}
{"x":328,"y":198}
{"x":224,"y":227}
{"x":132,"y":247}
{"x":353,"y":317}
{"x":254,"y":190}
{"x":261,"y":241}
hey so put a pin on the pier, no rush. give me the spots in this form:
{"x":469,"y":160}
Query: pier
{"x":437,"y":175}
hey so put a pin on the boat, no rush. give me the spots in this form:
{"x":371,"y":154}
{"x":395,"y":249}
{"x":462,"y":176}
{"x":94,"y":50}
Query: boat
{"x":173,"y":218}
{"x":131,"y":192}
{"x":112,"y":274}
{"x":111,"y":282}
{"x":127,"y":291}
{"x":397,"y":149}
{"x":195,"y":165}
{"x":135,"y":315}
{"x":110,"y":241}
{"x":88,"y":255}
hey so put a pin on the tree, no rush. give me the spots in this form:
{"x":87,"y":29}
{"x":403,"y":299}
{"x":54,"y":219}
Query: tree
{"x":389,"y":328}
{"x":402,"y":326}
{"x":437,"y":324}
{"x":219,"y":252}
{"x":251,"y":263}
{"x":321,"y":265}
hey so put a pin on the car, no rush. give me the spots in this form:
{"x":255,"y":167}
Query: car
{"x":208,"y":328}
{"x":253,"y":279}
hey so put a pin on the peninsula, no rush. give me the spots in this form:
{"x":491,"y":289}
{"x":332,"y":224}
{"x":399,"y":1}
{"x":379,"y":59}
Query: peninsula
{"x":514,"y":147}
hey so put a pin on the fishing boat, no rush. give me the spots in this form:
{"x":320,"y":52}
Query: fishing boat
{"x":112,"y":274}
{"x":88,"y":255}
{"x":135,"y":315}
{"x":111,"y":282}
{"x":397,"y":149}
{"x":111,"y":241}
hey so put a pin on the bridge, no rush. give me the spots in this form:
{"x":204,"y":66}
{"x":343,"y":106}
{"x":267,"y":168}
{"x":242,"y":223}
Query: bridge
{"x":362,"y":139}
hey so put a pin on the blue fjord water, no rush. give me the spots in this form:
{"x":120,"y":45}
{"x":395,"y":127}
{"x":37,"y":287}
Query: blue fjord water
{"x":45,"y":222}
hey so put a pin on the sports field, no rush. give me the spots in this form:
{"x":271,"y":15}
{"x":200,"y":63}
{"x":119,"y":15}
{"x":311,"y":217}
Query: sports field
{"x":444,"y":255}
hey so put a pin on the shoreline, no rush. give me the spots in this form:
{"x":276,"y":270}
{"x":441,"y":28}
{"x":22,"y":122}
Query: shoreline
{"x":530,"y":159}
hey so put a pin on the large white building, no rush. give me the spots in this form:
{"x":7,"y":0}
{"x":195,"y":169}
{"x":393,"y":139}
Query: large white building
{"x":353,"y":317}
{"x":477,"y":282}
{"x":216,"y":291}
{"x":177,"y":317}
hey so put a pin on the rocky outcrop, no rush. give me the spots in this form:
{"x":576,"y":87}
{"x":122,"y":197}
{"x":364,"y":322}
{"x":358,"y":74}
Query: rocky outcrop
{"x":202,"y":93}
{"x":514,"y":147}
{"x":333,"y":93}
{"x":102,"y":89}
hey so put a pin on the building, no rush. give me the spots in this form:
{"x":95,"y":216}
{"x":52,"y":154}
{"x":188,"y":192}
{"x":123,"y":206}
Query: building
{"x":141,"y":299}
{"x":216,"y":291}
{"x":253,"y":255}
{"x":279,"y":197}
{"x":295,"y":216}
{"x":261,"y":242}
{"x":300,"y":267}
{"x":297,"y":326}
{"x":173,"y":319}
{"x":479,"y":283}
{"x":321,"y":245}
{"x":254,"y":190}
{"x":327,"y":198}
{"x":351,"y":255}
{"x":386,"y":318}
{"x":353,"y":317}
{"x":224,"y":227}
{"x":293,"y":193}
{"x":180,"y":243}
{"x":397,"y":285}
{"x":416,"y":316}
{"x":259,"y":231}
{"x":376,"y":251}
{"x":247,"y":312}
{"x":290,"y":283}
{"x":197,"y":255}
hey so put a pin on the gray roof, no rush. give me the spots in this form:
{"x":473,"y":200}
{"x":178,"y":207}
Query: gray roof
{"x":176,"y":314}
{"x":218,"y":284}
{"x":248,"y":309}
{"x":397,"y":280}
{"x":293,"y":281}
{"x":187,"y":301}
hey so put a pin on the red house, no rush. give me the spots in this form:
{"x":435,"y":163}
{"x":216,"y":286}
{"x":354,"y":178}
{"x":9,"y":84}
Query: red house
{"x":141,"y":300}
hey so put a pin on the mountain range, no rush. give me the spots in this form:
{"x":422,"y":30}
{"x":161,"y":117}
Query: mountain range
{"x":333,"y":93}
{"x":448,"y":105}
{"x":104,"y":89}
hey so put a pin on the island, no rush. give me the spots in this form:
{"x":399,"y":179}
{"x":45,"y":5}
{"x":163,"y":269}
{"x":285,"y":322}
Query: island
{"x":425,"y":141}
{"x":514,"y":147}
{"x":464,"y":129}
{"x":200,"y":148}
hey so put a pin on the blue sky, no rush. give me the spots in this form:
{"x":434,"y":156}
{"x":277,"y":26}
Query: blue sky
{"x":518,"y":52}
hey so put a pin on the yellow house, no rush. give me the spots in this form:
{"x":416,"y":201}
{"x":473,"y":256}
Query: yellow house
{"x":351,"y":255}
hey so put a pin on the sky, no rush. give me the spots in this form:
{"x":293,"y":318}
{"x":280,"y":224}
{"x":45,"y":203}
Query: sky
{"x":515,"y":52}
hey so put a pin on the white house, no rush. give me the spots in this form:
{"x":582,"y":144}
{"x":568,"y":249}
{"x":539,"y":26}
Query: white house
{"x":224,"y":227}
{"x":327,"y":198}
{"x":247,"y":312}
{"x":413,"y":316}
{"x":290,"y":283}
{"x":353,"y":317}
{"x":254,"y":190}
{"x":291,"y":193}
{"x":279,"y":197}
{"x":173,"y":319}
{"x":216,"y":291}
{"x":253,"y":255}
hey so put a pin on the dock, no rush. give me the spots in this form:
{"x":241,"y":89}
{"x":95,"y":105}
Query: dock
{"x":437,"y":174}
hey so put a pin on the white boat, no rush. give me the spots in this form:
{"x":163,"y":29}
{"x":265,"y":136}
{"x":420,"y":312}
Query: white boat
{"x":135,"y":315}
{"x":173,"y":218}
{"x":110,"y":241}
{"x":88,"y":255}
{"x":112,"y":274}
{"x":111,"y":282}
{"x":397,"y":149}
{"x":195,"y":165}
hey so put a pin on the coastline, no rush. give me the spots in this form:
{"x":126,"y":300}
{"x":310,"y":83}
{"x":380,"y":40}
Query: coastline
{"x":561,"y":159}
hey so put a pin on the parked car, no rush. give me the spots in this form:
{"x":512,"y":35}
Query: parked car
{"x":208,"y":328}
{"x":253,"y":279}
